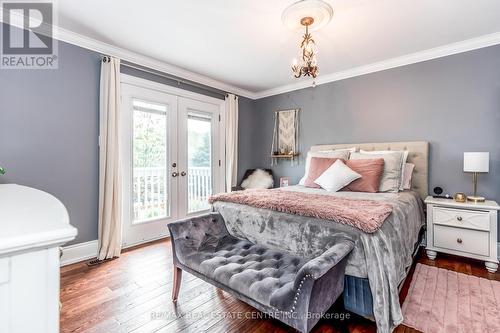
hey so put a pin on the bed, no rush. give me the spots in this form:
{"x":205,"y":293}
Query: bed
{"x":379,"y":262}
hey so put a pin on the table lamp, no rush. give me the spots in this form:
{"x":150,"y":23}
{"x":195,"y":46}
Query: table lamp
{"x":476,"y":162}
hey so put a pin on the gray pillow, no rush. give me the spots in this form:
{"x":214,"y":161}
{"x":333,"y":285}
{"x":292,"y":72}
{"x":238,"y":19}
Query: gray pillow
{"x":391,"y":178}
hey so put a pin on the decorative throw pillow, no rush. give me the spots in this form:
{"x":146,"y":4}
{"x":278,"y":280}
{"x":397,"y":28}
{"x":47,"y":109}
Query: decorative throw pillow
{"x":317,"y":167}
{"x":391,"y":178}
{"x":403,"y":161}
{"x":340,"y":153}
{"x":371,"y":171}
{"x":337,"y":176}
{"x":407,"y":174}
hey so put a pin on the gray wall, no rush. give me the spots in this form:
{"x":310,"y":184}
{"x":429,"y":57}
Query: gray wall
{"x":248,"y":143}
{"x":49,"y":124}
{"x":48,"y":133}
{"x":452,"y":102}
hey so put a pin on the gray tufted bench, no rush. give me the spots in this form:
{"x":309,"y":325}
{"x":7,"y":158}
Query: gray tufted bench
{"x":295,"y":290}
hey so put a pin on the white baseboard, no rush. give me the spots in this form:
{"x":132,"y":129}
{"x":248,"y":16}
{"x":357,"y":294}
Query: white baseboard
{"x":88,"y":250}
{"x":78,"y":252}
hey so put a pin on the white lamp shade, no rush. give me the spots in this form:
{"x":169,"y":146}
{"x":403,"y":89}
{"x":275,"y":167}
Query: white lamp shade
{"x":477,"y":162}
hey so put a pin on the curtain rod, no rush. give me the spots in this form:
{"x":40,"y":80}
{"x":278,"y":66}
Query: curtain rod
{"x":173,"y":78}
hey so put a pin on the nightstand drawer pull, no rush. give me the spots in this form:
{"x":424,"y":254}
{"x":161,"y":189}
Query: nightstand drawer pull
{"x":459,"y":240}
{"x":459,"y":218}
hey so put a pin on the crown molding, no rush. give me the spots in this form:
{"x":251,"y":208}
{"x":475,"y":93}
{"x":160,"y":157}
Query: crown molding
{"x":74,"y":38}
{"x":149,"y":62}
{"x":434,"y":53}
{"x":85,"y":42}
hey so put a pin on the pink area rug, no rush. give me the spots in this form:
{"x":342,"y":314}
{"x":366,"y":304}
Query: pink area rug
{"x":440,"y":300}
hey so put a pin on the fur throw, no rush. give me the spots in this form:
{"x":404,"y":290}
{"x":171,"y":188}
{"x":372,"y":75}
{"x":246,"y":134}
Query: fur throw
{"x":258,"y":179}
{"x":366,"y":215}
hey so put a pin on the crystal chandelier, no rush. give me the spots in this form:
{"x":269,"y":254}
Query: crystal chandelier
{"x":313,"y":15}
{"x":308,"y":64}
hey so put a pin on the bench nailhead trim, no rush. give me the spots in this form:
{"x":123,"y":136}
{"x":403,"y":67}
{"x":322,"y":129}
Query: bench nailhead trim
{"x":297,"y":294}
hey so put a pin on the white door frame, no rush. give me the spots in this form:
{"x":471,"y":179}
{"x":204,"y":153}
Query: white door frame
{"x":132,"y":80}
{"x":127,"y":133}
{"x":134,"y":233}
{"x":187,"y":106}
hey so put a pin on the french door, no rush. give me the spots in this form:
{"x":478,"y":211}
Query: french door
{"x":171,"y":159}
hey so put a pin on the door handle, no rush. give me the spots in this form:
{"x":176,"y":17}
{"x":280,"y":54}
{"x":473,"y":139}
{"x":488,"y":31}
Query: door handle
{"x":175,"y":174}
{"x":183,"y":173}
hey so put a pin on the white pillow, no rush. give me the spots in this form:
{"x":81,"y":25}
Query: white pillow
{"x":403,"y":161}
{"x":337,"y":153}
{"x":337,"y":176}
{"x":407,"y":175}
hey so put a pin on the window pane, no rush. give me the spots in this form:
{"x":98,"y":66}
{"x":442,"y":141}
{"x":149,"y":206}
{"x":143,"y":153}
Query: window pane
{"x":149,"y":161}
{"x":199,"y":162}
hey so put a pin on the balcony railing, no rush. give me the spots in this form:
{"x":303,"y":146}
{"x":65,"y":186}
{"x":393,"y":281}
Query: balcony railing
{"x":199,"y":188}
{"x":151,"y":195}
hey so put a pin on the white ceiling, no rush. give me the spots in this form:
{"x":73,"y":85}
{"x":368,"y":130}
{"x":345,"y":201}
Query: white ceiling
{"x":243,"y":43}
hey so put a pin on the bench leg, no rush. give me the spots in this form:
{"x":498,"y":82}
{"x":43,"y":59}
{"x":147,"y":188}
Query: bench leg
{"x":177,"y":283}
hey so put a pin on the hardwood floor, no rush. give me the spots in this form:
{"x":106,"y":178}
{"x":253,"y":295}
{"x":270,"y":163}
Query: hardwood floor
{"x":133,"y":294}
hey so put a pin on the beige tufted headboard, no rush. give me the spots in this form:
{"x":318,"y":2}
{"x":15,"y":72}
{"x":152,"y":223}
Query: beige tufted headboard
{"x":419,"y":155}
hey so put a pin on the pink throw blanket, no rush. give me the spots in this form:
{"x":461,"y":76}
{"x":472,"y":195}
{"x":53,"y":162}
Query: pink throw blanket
{"x":366,"y":215}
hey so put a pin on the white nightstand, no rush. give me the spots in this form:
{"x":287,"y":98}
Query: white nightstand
{"x":464,"y":229}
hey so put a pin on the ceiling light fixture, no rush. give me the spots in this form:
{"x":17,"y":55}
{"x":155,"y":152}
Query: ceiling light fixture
{"x":308,"y":50}
{"x":311,"y":14}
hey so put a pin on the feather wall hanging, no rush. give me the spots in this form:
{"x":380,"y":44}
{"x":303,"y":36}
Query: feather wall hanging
{"x":285,"y":136}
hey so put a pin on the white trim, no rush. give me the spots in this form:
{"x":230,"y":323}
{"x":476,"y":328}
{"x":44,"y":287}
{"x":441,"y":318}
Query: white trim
{"x":161,"y":66}
{"x":179,"y":100}
{"x":149,"y":62}
{"x":218,"y":142}
{"x":221,"y":103}
{"x":77,"y":39}
{"x":78,"y":252}
{"x":143,"y":83}
{"x":437,"y":52}
{"x":136,"y":232}
{"x":75,"y":253}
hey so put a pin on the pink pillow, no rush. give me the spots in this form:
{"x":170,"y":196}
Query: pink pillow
{"x":371,"y":171}
{"x":317,"y":166}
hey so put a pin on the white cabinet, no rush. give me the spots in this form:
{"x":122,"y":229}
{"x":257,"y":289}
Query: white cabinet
{"x":464,"y":229}
{"x":33,"y":224}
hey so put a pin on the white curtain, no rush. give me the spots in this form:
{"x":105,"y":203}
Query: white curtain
{"x":110,"y":219}
{"x":231,"y":141}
